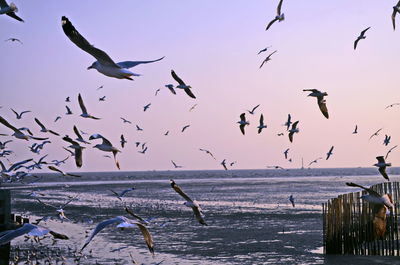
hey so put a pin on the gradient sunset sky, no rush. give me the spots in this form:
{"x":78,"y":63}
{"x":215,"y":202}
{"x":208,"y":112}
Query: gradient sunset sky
{"x":212,"y":46}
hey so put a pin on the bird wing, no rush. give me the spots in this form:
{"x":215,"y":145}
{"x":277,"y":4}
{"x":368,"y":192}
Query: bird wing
{"x":294,"y":125}
{"x":322,"y":106}
{"x":382,"y":170}
{"x":69,"y":140}
{"x":312,"y":90}
{"x":125,"y":192}
{"x":261,"y":120}
{"x":40,"y":124}
{"x":13,"y":15}
{"x":26,"y":228}
{"x":134,"y":215}
{"x":130,"y":64}
{"x":255,"y":108}
{"x":291,"y":136}
{"x":147,"y":237}
{"x":15,"y":165}
{"x":3,"y":4}
{"x":76,"y":131}
{"x":365,"y":30}
{"x":56,"y":169}
{"x":52,"y":206}
{"x":242,"y":128}
{"x":82,"y":43}
{"x":394,"y":18}
{"x":5,"y":123}
{"x":180,"y":192}
{"x":78,"y":157}
{"x":270,"y":23}
{"x":100,"y":227}
{"x":190,"y":93}
{"x":243,"y":117}
{"x":278,"y":9}
{"x":68,"y":110}
{"x":380,"y":159}
{"x":81,"y":104}
{"x":177,"y":79}
{"x":356,"y":42}
{"x":198,"y":215}
{"x":370,"y":191}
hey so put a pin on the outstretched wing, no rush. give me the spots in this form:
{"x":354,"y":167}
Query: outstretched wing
{"x":130,"y":64}
{"x":322,"y":106}
{"x":147,"y":237}
{"x":100,"y":227}
{"x":5,"y":123}
{"x":177,"y":79}
{"x":370,"y":191}
{"x":81,"y":104}
{"x":180,"y":191}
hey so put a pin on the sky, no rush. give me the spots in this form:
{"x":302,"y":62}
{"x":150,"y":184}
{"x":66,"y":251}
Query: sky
{"x":212,"y":46}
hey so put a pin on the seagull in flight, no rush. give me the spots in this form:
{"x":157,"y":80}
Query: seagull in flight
{"x":9,"y":10}
{"x":267,"y":59}
{"x":146,"y":107}
{"x":106,"y":146}
{"x":67,"y":99}
{"x":320,"y":100}
{"x":103,"y":98}
{"x":182,"y":84}
{"x":286,"y":153}
{"x":293,"y":130}
{"x":62,"y":172}
{"x":361,"y":37}
{"x":189,"y":203}
{"x":207,"y":152}
{"x":104,"y":63}
{"x":77,"y":148}
{"x":314,"y":161}
{"x":18,"y":132}
{"x":386,"y":141}
{"x":44,"y":129}
{"x":373,"y":196}
{"x":390,"y":150}
{"x":262,"y":125}
{"x":175,"y":165}
{"x":19,"y":115}
{"x":185,"y":127}
{"x":122,"y":193}
{"x":392,"y":105}
{"x":355,"y":130}
{"x":80,"y":138}
{"x":138,"y":128}
{"x":328,"y":155}
{"x":60,"y":209}
{"x":69,"y":112}
{"x":85,"y":114}
{"x":279,"y":16}
{"x":125,"y":120}
{"x":264,"y":50}
{"x":382,"y":166}
{"x":243,"y":122}
{"x":252,"y":111}
{"x":375,"y":133}
{"x":143,"y":151}
{"x":288,"y":122}
{"x":223,"y":163}
{"x":57,"y":118}
{"x":14,"y":40}
{"x":192,"y":108}
{"x":158,"y":90}
{"x":171,"y":88}
{"x":396,"y":9}
{"x":123,"y":141}
{"x":291,"y":199}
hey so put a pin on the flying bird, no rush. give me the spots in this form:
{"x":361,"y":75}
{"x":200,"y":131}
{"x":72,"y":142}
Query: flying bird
{"x":138,"y":128}
{"x":279,"y":16}
{"x":243,"y":122}
{"x":143,"y":150}
{"x":291,"y":199}
{"x":44,"y":129}
{"x":79,"y":136}
{"x":18,"y":132}
{"x":185,"y":127}
{"x":192,"y":107}
{"x":286,"y":152}
{"x":288,"y":122}
{"x":67,"y":99}
{"x":77,"y":148}
{"x":156,"y":93}
{"x":293,"y":130}
{"x":267,"y":59}
{"x":122,"y":193}
{"x":171,"y":88}
{"x":103,"y":98}
{"x":62,"y":172}
{"x":262,"y":125}
{"x":104,"y":63}
{"x":123,"y":141}
{"x":396,"y":9}
{"x":320,"y":100}
{"x":355,"y":130}
{"x":14,"y":40}
{"x":223,"y":163}
{"x":60,"y":210}
{"x":390,"y":150}
{"x":264,"y":50}
{"x":314,"y":161}
{"x":69,"y":112}
{"x":125,"y":120}
{"x":190,"y":203}
{"x":361,"y":37}
{"x":373,"y":196}
{"x":207,"y":152}
{"x":382,"y":166}
{"x":386,"y":141}
{"x":106,"y":146}
{"x":146,"y":107}
{"x":9,"y":10}
{"x":57,"y":118}
{"x":328,"y":155}
{"x":375,"y":133}
{"x":85,"y":114}
{"x":182,"y":84}
{"x":252,"y":111}
{"x":19,"y":115}
{"x":175,"y":165}
{"x":166,"y":133}
{"x":392,"y":105}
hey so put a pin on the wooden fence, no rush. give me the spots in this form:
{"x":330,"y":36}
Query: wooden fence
{"x":349,"y":229}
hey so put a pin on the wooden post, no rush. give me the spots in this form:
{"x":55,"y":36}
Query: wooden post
{"x":5,"y":218}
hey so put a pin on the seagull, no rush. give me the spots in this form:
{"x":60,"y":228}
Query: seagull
{"x":140,"y":219}
{"x":13,"y":40}
{"x":286,"y":152}
{"x":171,"y":88}
{"x":166,"y":133}
{"x":67,"y":99}
{"x":279,"y":16}
{"x":223,"y":163}
{"x":80,"y":138}
{"x":14,"y":166}
{"x":146,"y":107}
{"x":30,"y":230}
{"x":207,"y":152}
{"x":9,"y":10}
{"x":355,"y":130}
{"x":382,"y":166}
{"x":288,"y":122}
{"x":104,"y":63}
{"x":264,"y":50}
{"x":386,"y":141}
{"x":103,"y":98}
{"x":243,"y":122}
{"x":232,"y":163}
{"x":18,"y":132}
{"x":19,"y":115}
{"x":182,"y":85}
{"x":293,"y":130}
{"x":44,"y":129}
{"x":396,"y":9}
{"x":59,"y":162}
{"x":3,"y":144}
{"x":192,"y":108}
{"x":143,"y":151}
{"x":123,"y":141}
{"x":375,"y":133}
{"x":373,"y":196}
{"x":138,"y":128}
{"x":390,"y":150}
{"x":252,"y":111}
{"x":262,"y":125}
{"x":57,"y":118}
{"x":361,"y":37}
{"x":291,"y":199}
{"x":329,"y":153}
{"x":69,"y":112}
{"x":105,"y":146}
{"x":314,"y":161}
{"x":100,"y":87}
{"x":126,"y":121}
{"x":158,"y":90}
{"x":392,"y":105}
{"x":320,"y":100}
{"x":185,"y":127}
{"x":123,"y":222}
{"x":175,"y":165}
{"x":122,"y":193}
{"x":268,"y":58}
{"x":189,"y":203}
{"x":60,"y":209}
{"x":275,"y":167}
{"x":78,"y":150}
{"x":85,"y":114}
{"x":62,"y":172}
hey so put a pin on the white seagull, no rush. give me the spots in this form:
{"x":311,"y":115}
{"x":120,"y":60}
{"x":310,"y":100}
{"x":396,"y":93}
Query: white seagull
{"x":106,"y":146}
{"x":279,"y":16}
{"x":320,"y":100}
{"x":182,"y":85}
{"x":44,"y":129}
{"x":19,"y":115}
{"x":85,"y":114}
{"x":243,"y":122}
{"x":262,"y":125}
{"x":328,"y":155}
{"x":18,"y":132}
{"x":267,"y":59}
{"x":382,"y":166}
{"x":293,"y":130}
{"x":361,"y":37}
{"x":373,"y":196}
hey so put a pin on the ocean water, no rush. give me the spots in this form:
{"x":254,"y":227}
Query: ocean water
{"x":250,"y":219}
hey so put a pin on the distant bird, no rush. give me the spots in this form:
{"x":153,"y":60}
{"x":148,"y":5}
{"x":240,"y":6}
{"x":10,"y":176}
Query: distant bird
{"x":19,"y":115}
{"x":106,"y":146}
{"x":288,"y":122}
{"x":207,"y":152}
{"x":69,"y":112}
{"x":252,"y":111}
{"x":320,"y":100}
{"x":396,"y":9}
{"x":166,"y":133}
{"x":262,"y":125}
{"x":3,"y":144}
{"x":146,"y":107}
{"x":57,"y":118}
{"x":375,"y":133}
{"x":60,"y":209}
{"x":13,"y":39}
{"x":138,"y":128}
{"x":392,"y":105}
{"x":104,"y":63}
{"x":386,"y":141}
{"x":373,"y":196}
{"x":158,"y":90}
{"x":328,"y":155}
{"x":232,"y":163}
{"x":171,"y":88}
{"x":100,"y":87}
{"x":9,"y":10}
{"x":192,"y":107}
{"x":67,"y":99}
{"x":291,"y":199}
{"x":77,"y":148}
{"x":103,"y":98}
{"x":122,"y":222}
{"x":18,"y":132}
{"x":268,"y":58}
{"x":122,"y":193}
{"x":143,"y":150}
{"x":79,"y":136}
{"x":62,"y":172}
{"x":243,"y":122}
{"x":175,"y":165}
{"x":275,"y":167}
{"x":293,"y":130}
{"x":58,"y":163}
{"x":182,"y":84}
{"x":264,"y":50}
{"x":137,"y":144}
{"x":185,"y":127}
{"x":223,"y":163}
{"x":85,"y":114}
{"x":361,"y":37}
{"x":382,"y":166}
{"x":355,"y":130}
{"x":126,"y":121}
{"x":44,"y":129}
{"x":279,"y":16}
{"x":314,"y":161}
{"x":189,"y":203}
{"x":390,"y":150}
{"x":286,"y":152}
{"x":123,"y":141}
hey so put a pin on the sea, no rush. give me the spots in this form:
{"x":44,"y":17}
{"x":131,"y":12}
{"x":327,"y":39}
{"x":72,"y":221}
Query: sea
{"x":250,"y":218}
